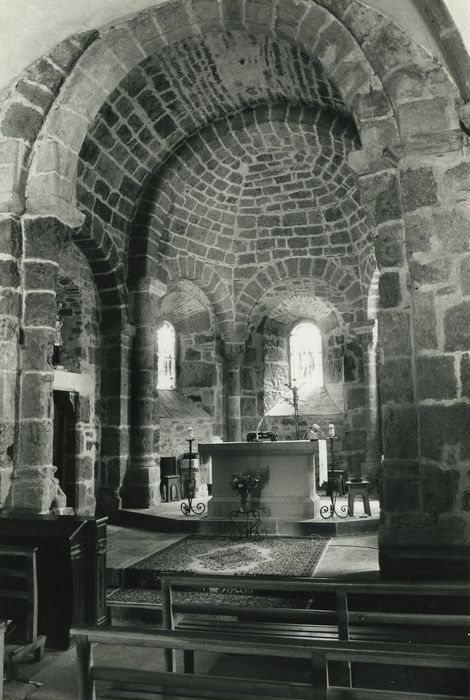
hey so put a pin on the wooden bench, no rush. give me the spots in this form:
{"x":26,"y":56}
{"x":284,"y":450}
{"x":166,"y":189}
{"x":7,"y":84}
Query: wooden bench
{"x":153,"y":685}
{"x":340,"y":618}
{"x":19,"y":605}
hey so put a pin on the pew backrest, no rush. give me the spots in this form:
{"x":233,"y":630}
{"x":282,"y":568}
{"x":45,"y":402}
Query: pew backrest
{"x":342,"y":593}
{"x":318,"y":653}
{"x":18,"y":592}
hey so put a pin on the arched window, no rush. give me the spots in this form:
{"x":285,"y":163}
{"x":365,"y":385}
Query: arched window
{"x":306,"y":364}
{"x":166,"y":344}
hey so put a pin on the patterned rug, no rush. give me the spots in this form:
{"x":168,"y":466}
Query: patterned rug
{"x":269,"y":556}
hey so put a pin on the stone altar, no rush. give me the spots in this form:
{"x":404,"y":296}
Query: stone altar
{"x":287,"y":491}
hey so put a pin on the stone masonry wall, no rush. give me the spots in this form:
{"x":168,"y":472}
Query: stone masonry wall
{"x":438,"y":247}
{"x":10,"y":246}
{"x":80,"y":356}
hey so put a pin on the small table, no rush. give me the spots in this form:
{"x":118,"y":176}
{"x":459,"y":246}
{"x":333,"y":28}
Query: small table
{"x":358,"y":488}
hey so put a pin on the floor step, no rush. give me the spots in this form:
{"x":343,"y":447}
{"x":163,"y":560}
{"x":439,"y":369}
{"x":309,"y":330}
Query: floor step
{"x":218,"y":526}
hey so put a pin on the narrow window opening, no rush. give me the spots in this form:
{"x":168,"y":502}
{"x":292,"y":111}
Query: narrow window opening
{"x":306,"y":361}
{"x":166,"y":343}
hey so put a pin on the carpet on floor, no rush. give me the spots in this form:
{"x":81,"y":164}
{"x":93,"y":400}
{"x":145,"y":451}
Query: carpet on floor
{"x":269,"y":556}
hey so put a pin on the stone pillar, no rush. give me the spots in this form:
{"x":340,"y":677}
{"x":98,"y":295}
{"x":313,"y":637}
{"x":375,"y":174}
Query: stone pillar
{"x":379,"y":182}
{"x":10,"y":309}
{"x":34,"y":487}
{"x":432,"y":537}
{"x":114,"y":448}
{"x":365,"y":335}
{"x":141,"y":489}
{"x":234,"y":351}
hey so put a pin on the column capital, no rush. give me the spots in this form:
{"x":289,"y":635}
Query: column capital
{"x":369,"y":161}
{"x":234,"y":350}
{"x":57,"y":208}
{"x":149,"y":285}
{"x":363,"y":333}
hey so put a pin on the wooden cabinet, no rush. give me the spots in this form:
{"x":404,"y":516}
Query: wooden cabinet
{"x":71,"y":569}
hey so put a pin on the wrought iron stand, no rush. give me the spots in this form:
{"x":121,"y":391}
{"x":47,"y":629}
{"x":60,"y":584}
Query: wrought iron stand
{"x":331,"y":511}
{"x":249,"y":528}
{"x":188,"y":508}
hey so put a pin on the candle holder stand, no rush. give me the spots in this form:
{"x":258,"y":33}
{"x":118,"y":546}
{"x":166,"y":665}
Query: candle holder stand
{"x":188,"y":508}
{"x":331,"y":510}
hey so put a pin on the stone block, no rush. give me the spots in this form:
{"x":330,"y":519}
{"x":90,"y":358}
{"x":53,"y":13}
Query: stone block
{"x":356,"y":397}
{"x":419,"y":188}
{"x":9,"y":274}
{"x":435,"y":272}
{"x":248,"y":406}
{"x":419,"y":230}
{"x":465,"y":275}
{"x":394,"y":334}
{"x":382,"y":197}
{"x":396,"y":383}
{"x":67,"y":128}
{"x":289,"y":18}
{"x":423,"y":117}
{"x":40,"y":309}
{"x":355,"y":440}
{"x":424,"y":320}
{"x":21,"y":122}
{"x":400,"y":432}
{"x":465,"y":375}
{"x":197,"y":374}
{"x":37,"y":396}
{"x":389,"y":290}
{"x":334,"y":45}
{"x":361,"y":20}
{"x":35,"y":443}
{"x":457,"y":327}
{"x":10,"y":236}
{"x":38,"y":343}
{"x":389,"y":245}
{"x":259,"y":14}
{"x":400,"y":495}
{"x":442,"y":425}
{"x":114,"y":440}
{"x":175,"y":24}
{"x":40,"y":275}
{"x":43,"y":237}
{"x":436,"y":377}
{"x":439,"y":489}
{"x":145,"y":32}
{"x":35,"y":94}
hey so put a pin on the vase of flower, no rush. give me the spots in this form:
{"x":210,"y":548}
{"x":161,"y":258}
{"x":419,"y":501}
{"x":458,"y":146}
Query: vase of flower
{"x":244,"y":484}
{"x":245,"y":502}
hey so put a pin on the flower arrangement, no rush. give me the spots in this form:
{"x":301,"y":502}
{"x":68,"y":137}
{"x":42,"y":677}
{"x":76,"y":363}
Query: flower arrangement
{"x":245,"y":482}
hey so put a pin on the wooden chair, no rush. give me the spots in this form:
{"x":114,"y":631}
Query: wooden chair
{"x":170,"y":480}
{"x":19,"y":605}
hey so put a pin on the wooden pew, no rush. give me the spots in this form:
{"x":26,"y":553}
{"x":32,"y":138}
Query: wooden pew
{"x":153,"y":685}
{"x":19,"y":603}
{"x":337,"y":622}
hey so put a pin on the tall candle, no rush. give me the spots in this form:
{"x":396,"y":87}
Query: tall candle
{"x":190,"y":433}
{"x":331,"y":430}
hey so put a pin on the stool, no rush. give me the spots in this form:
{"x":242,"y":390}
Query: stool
{"x":358,"y":488}
{"x":171,"y":485}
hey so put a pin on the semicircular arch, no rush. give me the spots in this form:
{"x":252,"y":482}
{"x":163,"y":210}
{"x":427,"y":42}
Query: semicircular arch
{"x":359,"y":63}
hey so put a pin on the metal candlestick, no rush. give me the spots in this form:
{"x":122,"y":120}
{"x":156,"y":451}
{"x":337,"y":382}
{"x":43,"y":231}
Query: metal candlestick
{"x":295,"y":404}
{"x":330,"y":511}
{"x":188,"y":508}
